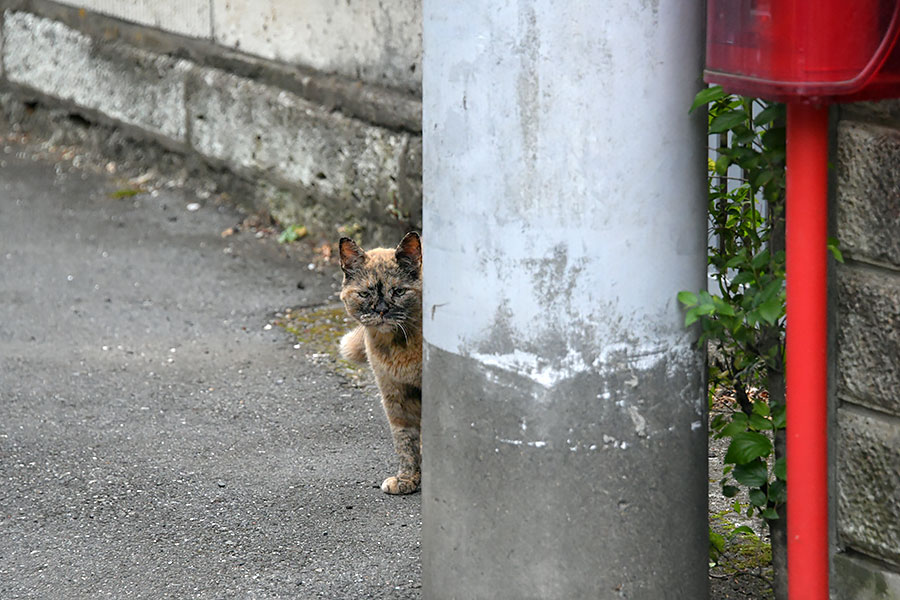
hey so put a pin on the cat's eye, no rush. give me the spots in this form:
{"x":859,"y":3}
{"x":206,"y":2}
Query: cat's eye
{"x":363,"y":293}
{"x":397,"y":292}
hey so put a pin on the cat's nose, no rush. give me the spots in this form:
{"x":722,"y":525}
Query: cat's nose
{"x":381,"y":307}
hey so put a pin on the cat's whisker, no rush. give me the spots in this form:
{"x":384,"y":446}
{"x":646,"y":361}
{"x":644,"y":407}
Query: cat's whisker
{"x":403,"y":329}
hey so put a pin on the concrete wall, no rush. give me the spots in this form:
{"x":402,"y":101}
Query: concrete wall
{"x":185,"y":17}
{"x":376,"y":42}
{"x":865,"y":316}
{"x":316,"y":100}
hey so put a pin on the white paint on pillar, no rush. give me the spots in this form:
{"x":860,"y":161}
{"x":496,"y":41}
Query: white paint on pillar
{"x":563,"y":181}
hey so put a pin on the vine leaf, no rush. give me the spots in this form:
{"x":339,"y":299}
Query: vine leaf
{"x":727,"y":120}
{"x":687,"y":298}
{"x":834,"y":248}
{"x":770,"y":514}
{"x":757,"y":497}
{"x":780,"y":469}
{"x":753,"y":474}
{"x":771,"y":309}
{"x":710,"y":94}
{"x":747,"y":446}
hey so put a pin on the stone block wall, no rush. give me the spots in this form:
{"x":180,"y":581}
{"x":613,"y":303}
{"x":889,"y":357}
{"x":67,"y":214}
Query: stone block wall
{"x":865,"y":371}
{"x":316,"y":102}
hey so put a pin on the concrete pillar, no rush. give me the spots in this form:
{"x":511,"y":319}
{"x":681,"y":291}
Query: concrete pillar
{"x":565,"y":206}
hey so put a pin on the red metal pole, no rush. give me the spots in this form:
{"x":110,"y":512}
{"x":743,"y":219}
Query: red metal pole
{"x":807,"y":442}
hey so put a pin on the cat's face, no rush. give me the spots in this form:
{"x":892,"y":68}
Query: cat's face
{"x":382,"y":287}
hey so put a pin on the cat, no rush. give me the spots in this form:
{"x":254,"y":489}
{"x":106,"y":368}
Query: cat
{"x":382,"y":290}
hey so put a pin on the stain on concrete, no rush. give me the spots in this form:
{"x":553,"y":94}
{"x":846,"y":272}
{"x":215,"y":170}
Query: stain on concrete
{"x":554,"y":278}
{"x":565,"y":477}
{"x":528,"y":99}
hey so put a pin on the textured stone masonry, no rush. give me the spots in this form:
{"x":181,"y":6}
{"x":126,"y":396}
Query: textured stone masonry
{"x":869,"y":484}
{"x":868,"y":337}
{"x":867,"y":203}
{"x":865,"y":307}
{"x":855,"y":579}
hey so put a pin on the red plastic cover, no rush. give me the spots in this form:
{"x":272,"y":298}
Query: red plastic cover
{"x":788,"y":49}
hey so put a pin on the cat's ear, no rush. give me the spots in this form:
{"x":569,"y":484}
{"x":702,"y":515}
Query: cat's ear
{"x":352,"y":256}
{"x":409,"y":253}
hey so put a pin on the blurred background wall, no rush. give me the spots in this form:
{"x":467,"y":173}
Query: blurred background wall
{"x":313,"y":105}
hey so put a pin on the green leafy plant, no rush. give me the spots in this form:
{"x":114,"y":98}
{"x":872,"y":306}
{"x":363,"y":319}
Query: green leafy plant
{"x":742,"y":320}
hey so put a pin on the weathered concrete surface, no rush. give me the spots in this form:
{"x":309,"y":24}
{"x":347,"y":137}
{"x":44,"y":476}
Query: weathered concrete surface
{"x":379,"y":43}
{"x":554,"y":493}
{"x":376,"y":42}
{"x":868,"y":337}
{"x":867,"y":203}
{"x":135,"y":87}
{"x":155,"y":440}
{"x":184,"y":17}
{"x":858,"y":579}
{"x":346,"y":165}
{"x":868,"y":475}
{"x":564,"y":404}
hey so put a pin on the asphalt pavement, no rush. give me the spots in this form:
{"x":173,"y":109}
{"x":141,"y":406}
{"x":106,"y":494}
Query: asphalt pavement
{"x":157,"y":440}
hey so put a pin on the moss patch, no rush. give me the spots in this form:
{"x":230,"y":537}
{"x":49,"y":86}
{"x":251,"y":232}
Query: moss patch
{"x":740,"y":552}
{"x":319,"y":331}
{"x":125,"y":193}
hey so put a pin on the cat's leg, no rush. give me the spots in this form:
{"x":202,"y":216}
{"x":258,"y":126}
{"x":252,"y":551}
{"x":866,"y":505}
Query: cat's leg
{"x":403,"y":407}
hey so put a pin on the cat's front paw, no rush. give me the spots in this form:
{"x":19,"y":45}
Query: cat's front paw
{"x":400,"y":485}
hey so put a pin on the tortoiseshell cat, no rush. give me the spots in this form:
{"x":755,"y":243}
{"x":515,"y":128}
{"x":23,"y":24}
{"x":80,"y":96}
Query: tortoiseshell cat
{"x":382,"y":290}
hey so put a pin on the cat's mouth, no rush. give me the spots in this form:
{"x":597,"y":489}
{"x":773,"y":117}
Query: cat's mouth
{"x":380,"y":322}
